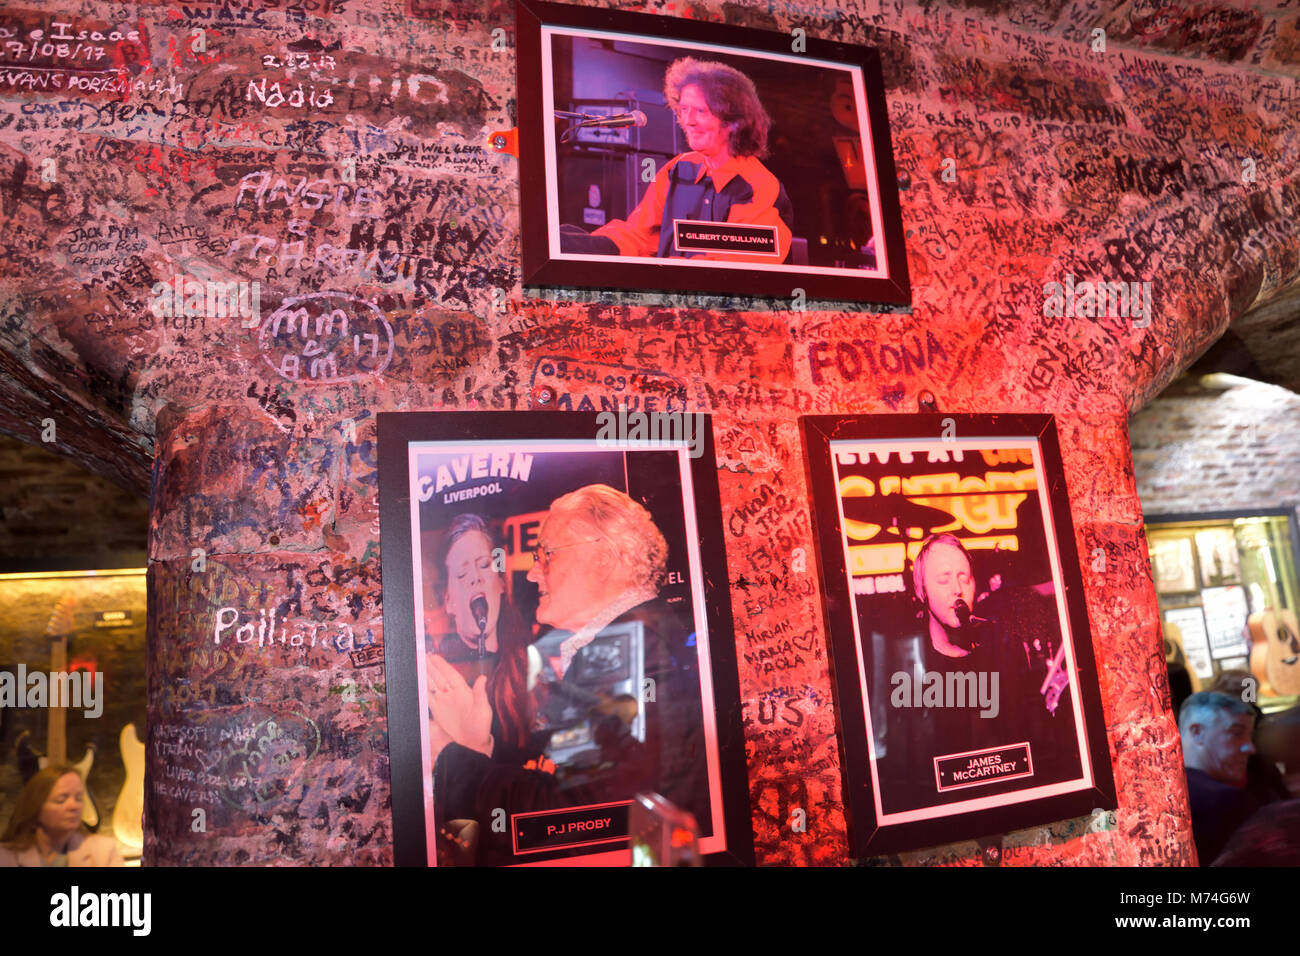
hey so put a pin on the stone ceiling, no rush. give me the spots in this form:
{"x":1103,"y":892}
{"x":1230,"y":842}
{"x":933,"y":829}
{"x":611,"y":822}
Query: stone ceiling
{"x":54,"y":368}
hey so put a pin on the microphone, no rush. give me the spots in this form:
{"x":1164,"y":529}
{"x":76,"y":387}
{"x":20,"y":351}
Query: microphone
{"x":973,"y":628}
{"x":634,"y":118}
{"x":478,"y":607}
{"x":962,"y":610}
{"x":964,"y":615}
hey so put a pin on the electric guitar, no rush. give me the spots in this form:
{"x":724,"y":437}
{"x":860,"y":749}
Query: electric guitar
{"x":56,"y":741}
{"x":128,"y":814}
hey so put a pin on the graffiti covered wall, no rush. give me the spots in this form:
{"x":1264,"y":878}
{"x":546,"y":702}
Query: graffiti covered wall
{"x":335,"y":152}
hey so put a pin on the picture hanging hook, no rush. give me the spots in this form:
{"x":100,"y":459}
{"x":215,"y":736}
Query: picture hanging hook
{"x":505,"y":141}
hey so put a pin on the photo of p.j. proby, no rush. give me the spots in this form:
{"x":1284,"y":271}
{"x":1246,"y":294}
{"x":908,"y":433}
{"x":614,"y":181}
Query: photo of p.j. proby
{"x":562,"y":644}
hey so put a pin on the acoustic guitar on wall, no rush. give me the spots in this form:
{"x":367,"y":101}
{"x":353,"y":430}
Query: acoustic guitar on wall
{"x":56,"y":741}
{"x":1275,"y":652}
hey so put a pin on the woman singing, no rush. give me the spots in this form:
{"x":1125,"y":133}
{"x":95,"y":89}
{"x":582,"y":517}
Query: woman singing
{"x":481,"y":704}
{"x":489,"y":651}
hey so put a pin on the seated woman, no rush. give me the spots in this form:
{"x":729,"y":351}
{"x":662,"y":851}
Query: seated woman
{"x":46,"y":828}
{"x":720,"y":180}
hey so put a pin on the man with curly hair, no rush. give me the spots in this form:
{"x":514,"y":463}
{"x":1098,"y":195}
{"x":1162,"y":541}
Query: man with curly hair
{"x":721,"y":179}
{"x":599,"y":555}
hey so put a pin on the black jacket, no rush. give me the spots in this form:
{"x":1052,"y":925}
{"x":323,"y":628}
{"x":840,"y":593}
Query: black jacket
{"x":670,"y":760}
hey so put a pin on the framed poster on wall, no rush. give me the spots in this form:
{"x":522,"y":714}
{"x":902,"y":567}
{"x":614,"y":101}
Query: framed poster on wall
{"x":967,"y":690}
{"x":558,"y":636}
{"x":1190,"y":622}
{"x":1226,"y":612}
{"x":1220,"y":560}
{"x":1172,"y":564}
{"x":659,"y":153}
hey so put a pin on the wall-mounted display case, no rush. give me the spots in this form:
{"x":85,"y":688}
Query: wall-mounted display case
{"x":1227,"y":581}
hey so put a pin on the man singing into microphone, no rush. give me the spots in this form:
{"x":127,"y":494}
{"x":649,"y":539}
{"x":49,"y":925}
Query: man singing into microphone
{"x":944,"y":582}
{"x":720,"y":180}
{"x":987,"y":650}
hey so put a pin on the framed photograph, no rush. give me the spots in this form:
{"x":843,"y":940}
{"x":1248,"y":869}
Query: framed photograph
{"x":1194,"y":640}
{"x":558,"y":637}
{"x":670,"y":155}
{"x":1172,"y":564}
{"x":967,"y":690}
{"x":1220,"y":561}
{"x":1227,"y":610}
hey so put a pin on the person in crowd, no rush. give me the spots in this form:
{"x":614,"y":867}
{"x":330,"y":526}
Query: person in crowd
{"x":1216,"y":731}
{"x":1277,"y":737}
{"x":46,"y":827}
{"x":1271,"y":837}
{"x":1264,"y":782}
{"x":1236,"y":683}
{"x":721,"y":179}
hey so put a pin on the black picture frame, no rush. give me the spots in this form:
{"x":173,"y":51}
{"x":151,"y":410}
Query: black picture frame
{"x":681,"y":494}
{"x":910,"y":797}
{"x":831,"y":212}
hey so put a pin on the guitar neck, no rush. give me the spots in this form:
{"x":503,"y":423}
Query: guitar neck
{"x":56,"y":746}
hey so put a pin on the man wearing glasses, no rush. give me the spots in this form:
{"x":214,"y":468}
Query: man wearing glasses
{"x":599,"y":566}
{"x":599,"y":554}
{"x":721,"y":178}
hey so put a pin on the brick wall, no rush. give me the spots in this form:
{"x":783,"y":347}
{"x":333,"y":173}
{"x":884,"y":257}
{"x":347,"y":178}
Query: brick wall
{"x":53,"y":510}
{"x":1225,"y":445}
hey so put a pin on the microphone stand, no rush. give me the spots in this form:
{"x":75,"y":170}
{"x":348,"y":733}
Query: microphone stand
{"x":580,"y":117}
{"x":594,"y":119}
{"x":480,"y":663}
